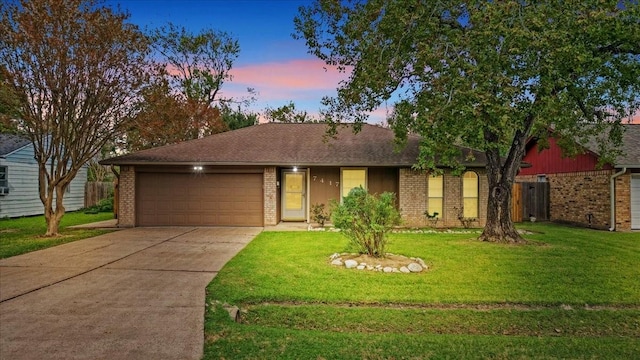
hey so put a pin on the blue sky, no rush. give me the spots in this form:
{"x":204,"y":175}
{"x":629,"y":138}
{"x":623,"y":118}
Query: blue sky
{"x":277,"y":66}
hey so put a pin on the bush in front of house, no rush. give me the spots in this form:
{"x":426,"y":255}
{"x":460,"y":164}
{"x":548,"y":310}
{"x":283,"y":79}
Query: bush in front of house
{"x":366,"y":219}
{"x":104,"y":205}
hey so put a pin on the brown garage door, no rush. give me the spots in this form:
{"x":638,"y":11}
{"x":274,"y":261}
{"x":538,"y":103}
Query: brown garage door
{"x":198,"y":199}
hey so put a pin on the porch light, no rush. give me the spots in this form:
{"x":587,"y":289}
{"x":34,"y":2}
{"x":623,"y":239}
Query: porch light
{"x":295,"y":169}
{"x":197,"y":168}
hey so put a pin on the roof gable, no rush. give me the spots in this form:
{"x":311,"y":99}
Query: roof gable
{"x":288,"y":144}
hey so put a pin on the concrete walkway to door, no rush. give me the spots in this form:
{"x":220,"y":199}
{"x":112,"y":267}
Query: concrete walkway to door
{"x":130,"y":294}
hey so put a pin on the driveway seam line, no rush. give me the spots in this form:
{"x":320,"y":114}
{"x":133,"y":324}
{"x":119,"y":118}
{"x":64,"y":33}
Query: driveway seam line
{"x":167,"y":270}
{"x":95,"y":268}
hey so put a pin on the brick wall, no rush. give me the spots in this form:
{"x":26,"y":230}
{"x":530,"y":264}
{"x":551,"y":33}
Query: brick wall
{"x":413,"y":198}
{"x":127,"y":193}
{"x":270,"y":196}
{"x":573,"y":196}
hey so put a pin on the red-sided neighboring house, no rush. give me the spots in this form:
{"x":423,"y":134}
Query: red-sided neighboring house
{"x":583,"y":194}
{"x":266,"y":174}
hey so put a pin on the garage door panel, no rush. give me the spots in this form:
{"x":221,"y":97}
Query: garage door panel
{"x":200,"y":200}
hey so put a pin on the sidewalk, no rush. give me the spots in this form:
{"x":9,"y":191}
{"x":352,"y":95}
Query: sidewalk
{"x":106,"y":224}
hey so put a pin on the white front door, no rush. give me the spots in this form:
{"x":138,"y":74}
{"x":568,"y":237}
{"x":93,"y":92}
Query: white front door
{"x":294,"y":196}
{"x":635,"y":202}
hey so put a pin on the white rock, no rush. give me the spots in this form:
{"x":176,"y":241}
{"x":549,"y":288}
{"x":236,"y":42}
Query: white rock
{"x":404,"y":269}
{"x":414,"y":267}
{"x":337,"y":262}
{"x":350,"y":263}
{"x":387,"y":269}
{"x":369,"y":267}
{"x":334,"y":256}
{"x":360,"y":267}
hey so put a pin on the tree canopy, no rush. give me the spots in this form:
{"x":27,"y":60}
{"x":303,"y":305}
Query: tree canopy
{"x":485,"y":74}
{"x":288,"y":114}
{"x":77,"y":69}
{"x":183,"y":99}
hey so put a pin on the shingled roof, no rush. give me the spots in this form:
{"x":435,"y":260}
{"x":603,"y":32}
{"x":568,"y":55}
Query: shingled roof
{"x":630,"y":147}
{"x":10,"y":143}
{"x":287,"y":144}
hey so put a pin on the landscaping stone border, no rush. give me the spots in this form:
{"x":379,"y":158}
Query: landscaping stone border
{"x":414,"y":264}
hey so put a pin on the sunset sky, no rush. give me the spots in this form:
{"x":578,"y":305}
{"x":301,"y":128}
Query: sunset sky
{"x":270,"y":61}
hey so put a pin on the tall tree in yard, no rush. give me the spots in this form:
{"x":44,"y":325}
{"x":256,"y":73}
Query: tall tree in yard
{"x":184,"y":101}
{"x":485,"y":74}
{"x":77,"y":68}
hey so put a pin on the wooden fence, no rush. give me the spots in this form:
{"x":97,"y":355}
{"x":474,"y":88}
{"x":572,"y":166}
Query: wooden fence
{"x":530,"y":199}
{"x":95,"y":191}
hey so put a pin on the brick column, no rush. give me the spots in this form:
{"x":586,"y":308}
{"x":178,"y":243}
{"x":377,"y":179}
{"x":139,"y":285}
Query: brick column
{"x":623,"y":202}
{"x":127,"y":202}
{"x":413,"y":197}
{"x":270,"y":196}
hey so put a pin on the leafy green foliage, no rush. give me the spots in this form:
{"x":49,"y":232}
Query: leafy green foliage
{"x":9,"y":106}
{"x":366,"y":219}
{"x":237,"y":118}
{"x":483,"y":74}
{"x":104,"y":205}
{"x":288,"y":114}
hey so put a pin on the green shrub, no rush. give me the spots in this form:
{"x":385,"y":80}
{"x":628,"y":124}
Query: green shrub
{"x":366,"y":219}
{"x":104,"y":205}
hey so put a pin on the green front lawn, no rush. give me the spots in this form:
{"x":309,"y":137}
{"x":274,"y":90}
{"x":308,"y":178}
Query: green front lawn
{"x":22,"y":235}
{"x":573,"y":293}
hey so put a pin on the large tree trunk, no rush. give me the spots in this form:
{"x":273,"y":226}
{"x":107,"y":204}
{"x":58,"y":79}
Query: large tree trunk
{"x":501,"y":173}
{"x":52,"y":214}
{"x":52,"y":194}
{"x":499,"y":227}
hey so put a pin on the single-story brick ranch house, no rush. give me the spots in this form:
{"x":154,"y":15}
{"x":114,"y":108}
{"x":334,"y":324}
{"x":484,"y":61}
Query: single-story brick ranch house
{"x":581,"y":193}
{"x":270,"y":173}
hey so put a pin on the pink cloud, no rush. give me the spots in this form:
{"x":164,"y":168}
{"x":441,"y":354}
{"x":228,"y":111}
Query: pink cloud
{"x":301,"y":73}
{"x":635,"y":119}
{"x":310,"y":79}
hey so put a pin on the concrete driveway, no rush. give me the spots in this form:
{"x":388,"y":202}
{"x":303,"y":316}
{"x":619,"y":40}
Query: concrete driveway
{"x":131,"y":294}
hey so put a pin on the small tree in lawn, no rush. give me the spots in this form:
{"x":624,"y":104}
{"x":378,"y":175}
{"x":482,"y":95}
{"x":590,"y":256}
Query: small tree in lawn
{"x":366,"y":219}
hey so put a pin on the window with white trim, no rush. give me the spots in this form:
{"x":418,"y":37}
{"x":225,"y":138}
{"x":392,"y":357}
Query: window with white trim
{"x":352,"y":178}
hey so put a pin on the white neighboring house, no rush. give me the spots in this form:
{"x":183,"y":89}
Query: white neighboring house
{"x":19,"y":180}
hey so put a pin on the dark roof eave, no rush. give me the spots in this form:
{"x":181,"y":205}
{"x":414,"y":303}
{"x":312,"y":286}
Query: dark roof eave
{"x":255,"y":163}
